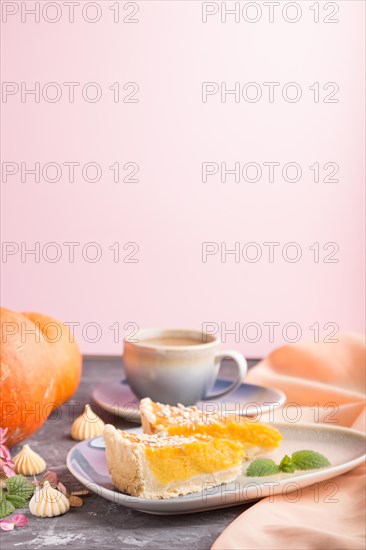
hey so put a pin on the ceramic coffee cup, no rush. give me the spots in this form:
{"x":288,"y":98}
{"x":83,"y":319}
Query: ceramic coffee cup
{"x":177,"y":366}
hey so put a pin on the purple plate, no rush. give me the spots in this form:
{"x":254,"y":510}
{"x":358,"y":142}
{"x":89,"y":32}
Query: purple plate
{"x":345,"y":449}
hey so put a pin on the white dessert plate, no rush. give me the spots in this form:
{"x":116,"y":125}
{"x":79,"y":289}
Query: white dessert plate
{"x":344,"y":448}
{"x":117,"y":398}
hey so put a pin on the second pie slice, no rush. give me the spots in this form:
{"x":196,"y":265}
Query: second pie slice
{"x":256,"y":438}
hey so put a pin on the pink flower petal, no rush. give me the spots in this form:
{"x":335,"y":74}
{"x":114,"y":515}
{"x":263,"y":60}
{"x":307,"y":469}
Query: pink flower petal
{"x":6,"y":525}
{"x":4,"y":452}
{"x":8,"y":471}
{"x":19,"y":520}
{"x":3,"y":434}
{"x":51,"y":477}
{"x":61,"y":487}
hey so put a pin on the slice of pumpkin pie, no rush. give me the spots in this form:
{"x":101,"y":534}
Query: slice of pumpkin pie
{"x":256,"y":438}
{"x":163,"y":466}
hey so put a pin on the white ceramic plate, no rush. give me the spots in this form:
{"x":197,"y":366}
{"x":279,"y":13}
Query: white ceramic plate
{"x":117,"y":398}
{"x":344,"y":448}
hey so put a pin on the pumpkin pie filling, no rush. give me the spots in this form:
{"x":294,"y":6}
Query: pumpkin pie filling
{"x":182,"y":458}
{"x":163,"y":466}
{"x":256,"y":437}
{"x":183,"y":449}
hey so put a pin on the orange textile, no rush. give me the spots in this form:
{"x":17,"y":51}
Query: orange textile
{"x":332,"y":377}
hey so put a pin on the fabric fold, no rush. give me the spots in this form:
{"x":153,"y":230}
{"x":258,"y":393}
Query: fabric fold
{"x":326,"y":383}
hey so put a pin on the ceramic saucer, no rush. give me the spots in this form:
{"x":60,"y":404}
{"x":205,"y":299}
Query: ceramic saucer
{"x":117,"y":398}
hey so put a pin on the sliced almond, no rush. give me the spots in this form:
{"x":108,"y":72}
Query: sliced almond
{"x":80,"y":492}
{"x":75,"y":502}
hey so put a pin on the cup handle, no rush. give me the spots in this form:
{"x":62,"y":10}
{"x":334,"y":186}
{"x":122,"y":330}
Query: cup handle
{"x":241,"y":365}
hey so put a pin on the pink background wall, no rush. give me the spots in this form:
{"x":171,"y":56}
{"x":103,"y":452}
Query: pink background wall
{"x":169,"y":133}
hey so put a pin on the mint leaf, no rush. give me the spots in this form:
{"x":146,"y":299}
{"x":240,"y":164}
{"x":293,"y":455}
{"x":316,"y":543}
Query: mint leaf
{"x":17,"y":501}
{"x":286,"y":465}
{"x":6,"y":508}
{"x":262,"y":467}
{"x":19,"y":486}
{"x":288,"y":468}
{"x":309,"y":460}
{"x":300,"y":460}
{"x":286,"y":460}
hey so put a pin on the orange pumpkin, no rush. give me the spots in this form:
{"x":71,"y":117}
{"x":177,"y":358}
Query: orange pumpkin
{"x":40,"y":369}
{"x":65,"y":355}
